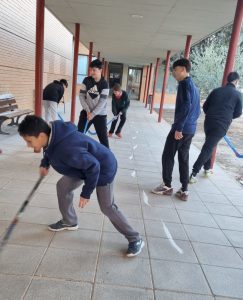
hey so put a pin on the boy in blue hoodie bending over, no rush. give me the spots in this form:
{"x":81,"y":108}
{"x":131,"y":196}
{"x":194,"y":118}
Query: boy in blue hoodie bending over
{"x":81,"y":160}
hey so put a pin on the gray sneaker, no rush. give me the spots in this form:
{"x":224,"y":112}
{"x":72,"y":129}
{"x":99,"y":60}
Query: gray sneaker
{"x":59,"y":226}
{"x":193,"y":179}
{"x":182,"y":195}
{"x":162,"y":190}
{"x":208,"y":173}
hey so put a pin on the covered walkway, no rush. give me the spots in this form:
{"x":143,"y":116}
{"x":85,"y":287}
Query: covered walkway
{"x":194,"y":249}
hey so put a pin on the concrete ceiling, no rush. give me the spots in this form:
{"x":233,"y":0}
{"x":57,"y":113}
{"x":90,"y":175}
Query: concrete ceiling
{"x":139,"y":41}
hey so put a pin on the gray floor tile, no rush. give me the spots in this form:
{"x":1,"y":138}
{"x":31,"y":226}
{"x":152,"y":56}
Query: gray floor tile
{"x":16,"y":259}
{"x":131,"y":211}
{"x":178,"y":276}
{"x":235,"y":237}
{"x":160,"y":248}
{"x":240,"y":251}
{"x":222,"y":209}
{"x":236,"y":200}
{"x":194,"y":218}
{"x":225,"y":281}
{"x":68,"y":264}
{"x":8,"y":211}
{"x":90,"y":221}
{"x":124,"y":271}
{"x":62,"y":290}
{"x":156,"y":229}
{"x":105,"y":292}
{"x":12,"y":287}
{"x":159,"y":213}
{"x":230,"y":223}
{"x":40,"y":215}
{"x":83,"y":240}
{"x":115,"y":244}
{"x":164,"y":295}
{"x":31,"y":234}
{"x":213,"y":198}
{"x":218,"y":255}
{"x":197,"y":206}
{"x":206,"y":235}
{"x":44,"y":200}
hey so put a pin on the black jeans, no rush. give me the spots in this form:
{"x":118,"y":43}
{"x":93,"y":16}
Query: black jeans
{"x":99,"y":125}
{"x":213,"y":136}
{"x":171,"y":147}
{"x":123,"y":118}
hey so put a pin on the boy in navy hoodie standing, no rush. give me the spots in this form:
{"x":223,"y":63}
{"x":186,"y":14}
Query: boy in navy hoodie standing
{"x":179,"y":139}
{"x":81,"y":160}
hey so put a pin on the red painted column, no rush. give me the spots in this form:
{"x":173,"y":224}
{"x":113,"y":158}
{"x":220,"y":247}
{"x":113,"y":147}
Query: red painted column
{"x":98,"y":55}
{"x":106,"y":70}
{"x":149,"y":79}
{"x":90,"y":56}
{"x":165,"y":80}
{"x":39,"y":54}
{"x":146,"y":82}
{"x":103,"y":67}
{"x":230,"y":61}
{"x":188,"y":46}
{"x":155,"y":82}
{"x":75,"y":71}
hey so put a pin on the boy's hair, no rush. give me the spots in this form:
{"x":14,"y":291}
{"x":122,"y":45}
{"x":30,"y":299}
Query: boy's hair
{"x":116,"y":87}
{"x":64,"y":82}
{"x":182,"y":62}
{"x":33,"y":126}
{"x":96,"y":64}
{"x":233,"y":76}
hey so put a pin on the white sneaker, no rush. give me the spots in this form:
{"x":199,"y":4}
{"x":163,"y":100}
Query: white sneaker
{"x":193,"y":179}
{"x":208,"y":173}
{"x":162,"y":190}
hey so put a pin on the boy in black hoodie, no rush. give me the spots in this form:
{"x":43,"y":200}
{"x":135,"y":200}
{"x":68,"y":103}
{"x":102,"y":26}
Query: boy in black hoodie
{"x":120,"y":104}
{"x":81,"y":160}
{"x":222,"y":105}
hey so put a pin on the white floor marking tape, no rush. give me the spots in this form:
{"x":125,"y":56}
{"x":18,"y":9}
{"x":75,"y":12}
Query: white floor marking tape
{"x":169,"y":236}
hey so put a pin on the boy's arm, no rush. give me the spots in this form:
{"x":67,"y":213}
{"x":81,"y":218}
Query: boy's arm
{"x":238,"y":108}
{"x":45,"y":163}
{"x":113,"y":103}
{"x":185,"y":109}
{"x":88,"y":164}
{"x":206,"y":104}
{"x":102,"y":101}
{"x":127,"y":103}
{"x":82,"y":97}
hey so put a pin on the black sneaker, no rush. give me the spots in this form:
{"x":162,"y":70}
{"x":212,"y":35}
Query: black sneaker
{"x":134,"y":248}
{"x":59,"y":226}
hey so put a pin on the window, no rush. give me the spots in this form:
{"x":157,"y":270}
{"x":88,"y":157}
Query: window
{"x":82,"y":68}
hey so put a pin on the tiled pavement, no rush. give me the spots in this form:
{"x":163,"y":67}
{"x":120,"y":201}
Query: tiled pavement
{"x":202,"y":261}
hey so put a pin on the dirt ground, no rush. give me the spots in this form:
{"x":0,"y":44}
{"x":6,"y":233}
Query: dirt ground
{"x":225,"y":157}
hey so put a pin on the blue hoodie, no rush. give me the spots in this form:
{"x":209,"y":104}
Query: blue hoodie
{"x":74,"y":154}
{"x":187,"y":108}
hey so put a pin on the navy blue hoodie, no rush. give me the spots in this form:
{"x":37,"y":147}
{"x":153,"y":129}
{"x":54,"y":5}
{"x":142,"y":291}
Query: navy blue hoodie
{"x":187,"y":108}
{"x":74,"y":154}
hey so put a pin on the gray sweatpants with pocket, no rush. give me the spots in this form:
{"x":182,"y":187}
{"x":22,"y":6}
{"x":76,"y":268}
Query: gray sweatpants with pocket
{"x":65,"y":193}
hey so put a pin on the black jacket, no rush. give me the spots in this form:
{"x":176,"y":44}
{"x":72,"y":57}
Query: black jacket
{"x":221,"y":106}
{"x":53,"y":91}
{"x":120,"y":105}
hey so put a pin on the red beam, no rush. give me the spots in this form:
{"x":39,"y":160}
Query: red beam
{"x":188,"y":46}
{"x":39,"y":54}
{"x":155,"y":82}
{"x":165,"y":80}
{"x":75,"y":71}
{"x":90,"y":56}
{"x":147,"y":93}
{"x":98,"y":55}
{"x":146,"y":82}
{"x":230,"y":61}
{"x":103,"y":67}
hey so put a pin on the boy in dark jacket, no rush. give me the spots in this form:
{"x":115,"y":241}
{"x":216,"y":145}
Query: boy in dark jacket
{"x":81,"y":160}
{"x":120,"y":104}
{"x":52,"y":95}
{"x":179,"y":139}
{"x":222,"y":105}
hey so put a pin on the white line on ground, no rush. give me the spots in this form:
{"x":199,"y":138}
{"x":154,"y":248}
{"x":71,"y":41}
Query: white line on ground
{"x":169,"y":236}
{"x":145,"y":199}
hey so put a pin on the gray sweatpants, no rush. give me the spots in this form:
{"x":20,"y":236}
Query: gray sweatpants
{"x":65,"y":192}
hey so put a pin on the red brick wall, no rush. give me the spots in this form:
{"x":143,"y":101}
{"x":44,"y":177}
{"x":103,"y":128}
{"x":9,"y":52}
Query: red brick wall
{"x":17,"y":50}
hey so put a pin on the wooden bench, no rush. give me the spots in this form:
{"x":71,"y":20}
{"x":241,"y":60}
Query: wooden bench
{"x":9,"y":110}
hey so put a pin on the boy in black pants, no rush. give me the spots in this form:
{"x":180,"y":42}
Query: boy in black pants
{"x":120,"y":104}
{"x":221,"y":106}
{"x":179,"y":139}
{"x":82,"y":161}
{"x":93,"y":97}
